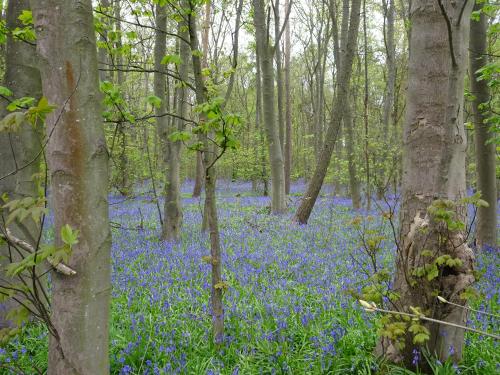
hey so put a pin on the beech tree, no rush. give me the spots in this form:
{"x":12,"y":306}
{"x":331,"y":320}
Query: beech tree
{"x":288,"y":106}
{"x":173,"y":207}
{"x":198,"y":180}
{"x":20,"y":151}
{"x":486,"y":234}
{"x":433,"y":186}
{"x":78,"y":164}
{"x":265,"y":50}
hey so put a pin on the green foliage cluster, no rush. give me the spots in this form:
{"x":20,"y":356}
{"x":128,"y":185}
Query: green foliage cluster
{"x":445,"y":214}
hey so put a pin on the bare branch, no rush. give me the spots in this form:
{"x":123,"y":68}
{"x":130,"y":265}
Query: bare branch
{"x":58,"y":266}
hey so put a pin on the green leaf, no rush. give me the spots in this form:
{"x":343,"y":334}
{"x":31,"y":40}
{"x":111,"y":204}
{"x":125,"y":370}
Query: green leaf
{"x":180,"y":136}
{"x":154,"y":101}
{"x":420,"y":338}
{"x":68,"y":235}
{"x":40,"y":111}
{"x":432,"y":273}
{"x":4,"y":91}
{"x":26,"y":17}
{"x":21,"y":103}
{"x":171,"y":59}
{"x":132,"y":35}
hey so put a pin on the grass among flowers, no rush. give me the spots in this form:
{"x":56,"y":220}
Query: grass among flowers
{"x":287,"y":311}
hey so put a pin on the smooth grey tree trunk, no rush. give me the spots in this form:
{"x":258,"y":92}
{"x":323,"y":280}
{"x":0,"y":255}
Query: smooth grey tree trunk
{"x":19,"y":151}
{"x":103,"y":53}
{"x":265,"y":50}
{"x":279,"y":76}
{"x":78,"y":164}
{"x":123,"y":182}
{"x":173,"y":205}
{"x":486,"y":234}
{"x":288,"y":107}
{"x":349,"y":125}
{"x":258,"y":122}
{"x":341,"y":97}
{"x":365,"y":112}
{"x":159,"y":84}
{"x":387,"y":114}
{"x":348,"y":120}
{"x":434,"y":148}
{"x":198,"y":182}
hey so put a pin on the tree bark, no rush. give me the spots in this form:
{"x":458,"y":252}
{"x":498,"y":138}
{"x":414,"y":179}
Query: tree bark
{"x":23,"y":147}
{"x":278,"y":202}
{"x":210,"y":196}
{"x":486,"y":234}
{"x":279,"y":75}
{"x":288,"y":107}
{"x":78,"y":163}
{"x":173,"y":205}
{"x":341,"y":97}
{"x":159,"y":85}
{"x":349,"y":125}
{"x":123,"y":182}
{"x":198,"y":182}
{"x":103,"y":53}
{"x":258,"y":123}
{"x":365,"y":112}
{"x":434,"y":147}
{"x":387,"y":115}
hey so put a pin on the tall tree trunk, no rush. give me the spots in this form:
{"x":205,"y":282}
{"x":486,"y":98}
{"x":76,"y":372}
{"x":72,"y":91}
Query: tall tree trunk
{"x":123,"y":183}
{"x":349,"y":125}
{"x":365,"y":112}
{"x":278,"y":202}
{"x":279,"y":75}
{"x":341,"y":97}
{"x":159,"y":91}
{"x":434,"y":150}
{"x":78,"y":164}
{"x":173,"y":205}
{"x":387,"y":115}
{"x":486,"y":234}
{"x":103,"y":53}
{"x":288,"y":108}
{"x":258,"y":123}
{"x":210,"y":196}
{"x":198,"y":182}
{"x":22,"y":148}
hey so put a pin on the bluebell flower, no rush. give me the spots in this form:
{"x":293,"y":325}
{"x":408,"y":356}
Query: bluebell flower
{"x":416,"y":357}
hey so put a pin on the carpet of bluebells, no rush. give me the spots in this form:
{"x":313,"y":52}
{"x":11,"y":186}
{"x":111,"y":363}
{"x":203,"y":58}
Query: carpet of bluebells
{"x":287,"y":311}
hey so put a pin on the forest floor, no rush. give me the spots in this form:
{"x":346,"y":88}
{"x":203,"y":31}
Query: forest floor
{"x":289,"y":307}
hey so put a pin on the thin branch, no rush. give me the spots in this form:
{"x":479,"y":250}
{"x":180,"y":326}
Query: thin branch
{"x":284,"y":24}
{"x":139,"y":24}
{"x":450,"y":33}
{"x":423,"y":317}
{"x":58,"y":266}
